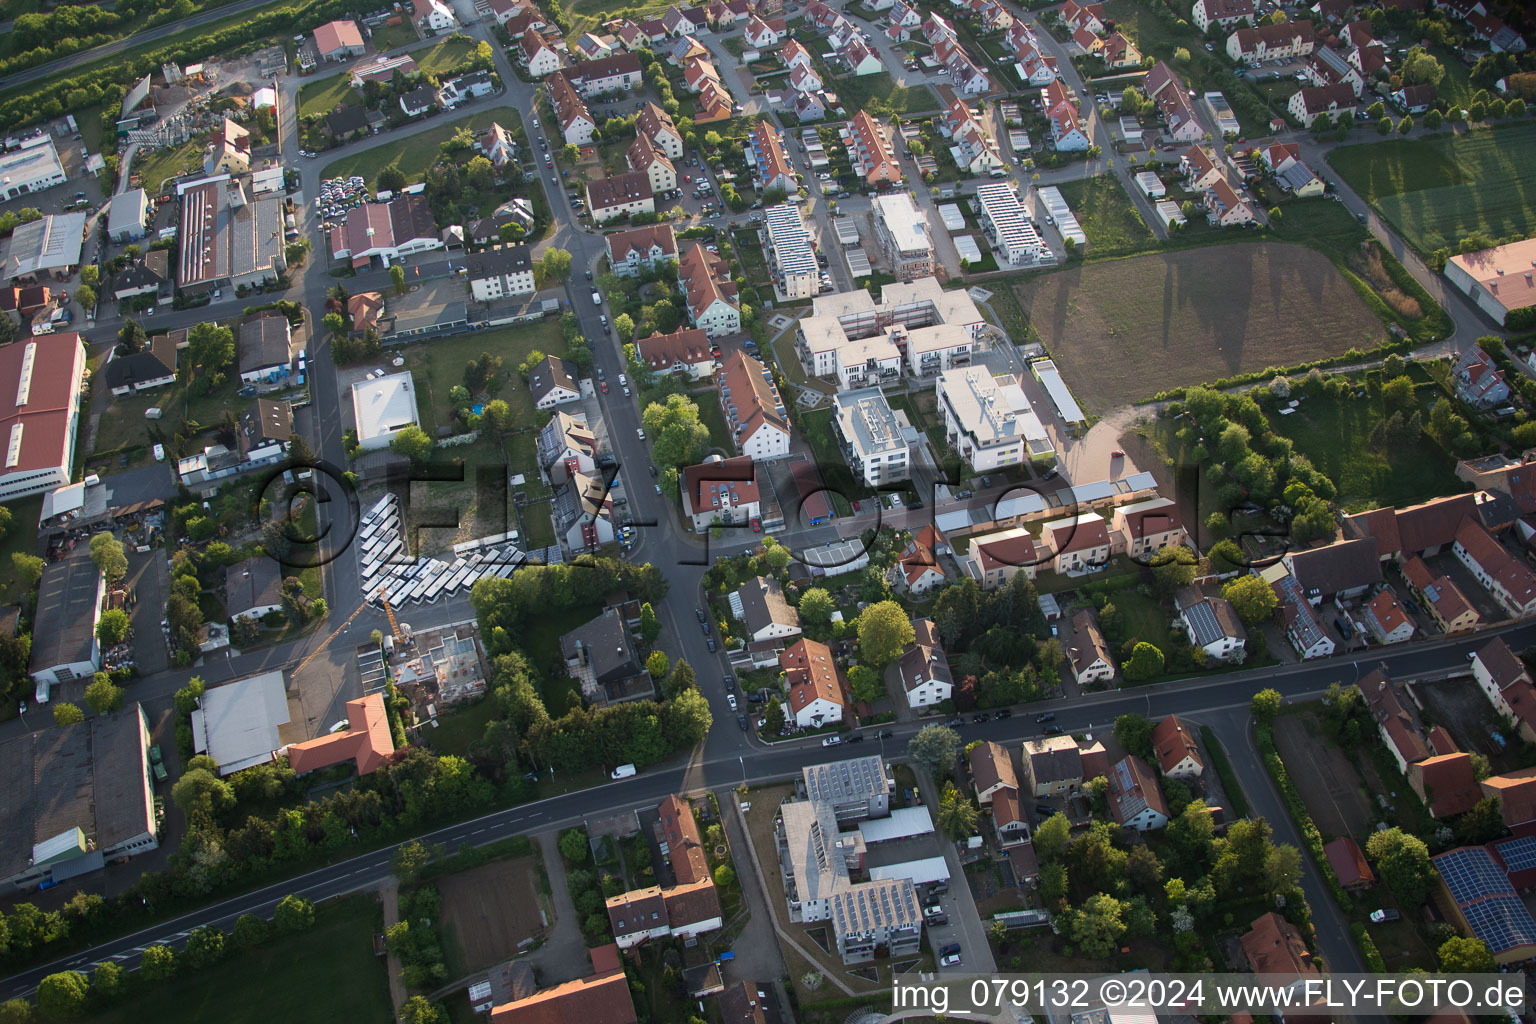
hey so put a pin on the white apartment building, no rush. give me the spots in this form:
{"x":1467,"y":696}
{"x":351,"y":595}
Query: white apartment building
{"x":903,"y":233}
{"x":1009,"y":230}
{"x":754,"y":411}
{"x":988,"y":420}
{"x":502,"y":272}
{"x":791,"y":254}
{"x":917,"y":325}
{"x":870,"y":436}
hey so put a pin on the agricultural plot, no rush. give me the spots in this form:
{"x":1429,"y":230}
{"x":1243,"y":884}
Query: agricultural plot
{"x":493,"y":908}
{"x":1124,"y":330}
{"x":1437,"y":190}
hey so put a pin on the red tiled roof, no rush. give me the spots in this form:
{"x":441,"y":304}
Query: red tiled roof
{"x":1517,"y":795}
{"x":705,"y":481}
{"x":1172,"y":743}
{"x":1349,"y":863}
{"x":1515,"y":577}
{"x":661,"y":352}
{"x":685,"y":847}
{"x":753,"y":397}
{"x":334,"y":35}
{"x":367,"y":742}
{"x":705,"y":279}
{"x":602,"y":998}
{"x":1447,"y":783}
{"x":40,"y":420}
{"x":1272,"y":945}
{"x":810,"y":673}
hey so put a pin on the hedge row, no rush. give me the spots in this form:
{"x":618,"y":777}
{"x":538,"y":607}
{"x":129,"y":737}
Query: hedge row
{"x":1373,"y":958}
{"x":1217,"y":755}
{"x":1299,"y":813}
{"x":1354,"y":355}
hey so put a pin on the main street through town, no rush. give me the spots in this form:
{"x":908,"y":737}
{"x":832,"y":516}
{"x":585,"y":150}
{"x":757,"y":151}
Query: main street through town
{"x":729,"y":756}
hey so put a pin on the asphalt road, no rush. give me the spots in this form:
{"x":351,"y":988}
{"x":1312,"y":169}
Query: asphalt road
{"x":149,"y":35}
{"x":1222,"y":701}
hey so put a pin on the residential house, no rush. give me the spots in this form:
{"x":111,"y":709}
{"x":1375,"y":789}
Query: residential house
{"x":924,"y":668}
{"x":1144,"y":527}
{"x":464,"y":88}
{"x":760,"y":35}
{"x":994,"y":558}
{"x":1310,"y":103}
{"x":1119,"y":52}
{"x":1224,"y":207}
{"x":1200,"y":170}
{"x":582,"y":509}
{"x":796,"y":57}
{"x":657,"y":125}
{"x":869,"y":436}
{"x":1284,"y":41}
{"x":1178,"y":756}
{"x":991,"y":771}
{"x":552,"y":382}
{"x":1212,"y":625}
{"x":620,"y":195}
{"x":1135,"y":799}
{"x":1386,"y":618}
{"x":149,"y":275}
{"x":497,"y":145}
{"x":1414,"y":99}
{"x":1478,"y":381}
{"x":1227,"y":14}
{"x":1078,"y":544}
{"x":698,"y":73}
{"x":638,"y":250}
{"x":870,"y":152}
{"x":708,"y":292}
{"x":1509,"y":580}
{"x":1507,"y":683}
{"x":818,"y":694}
{"x":820,"y":16}
{"x":917,"y":569}
{"x":153,"y":366}
{"x":644,"y":157}
{"x":769,"y":157}
{"x":1444,"y":601}
{"x":1082,"y":16}
{"x":765,"y":614}
{"x":503,"y":271}
{"x":600,"y":655}
{"x":804,"y":79}
{"x":229,"y":150}
{"x":1274,"y":946}
{"x":571,"y":113}
{"x":253,"y":589}
{"x":1344,"y":570}
{"x":1398,"y":729}
{"x":754,"y":411}
{"x":1053,"y":766}
{"x":859,"y":58}
{"x":418,"y":101}
{"x":1424,"y":530}
{"x":1088,"y":652}
{"x":1171,"y":95}
{"x":1447,"y":783}
{"x":537,"y":55}
{"x":720,"y":491}
{"x":686,"y":352}
{"x":432,"y":16}
{"x":594,"y":47}
{"x":567,"y":446}
{"x":1303,"y":627}
{"x":367,"y":741}
{"x":600,"y":997}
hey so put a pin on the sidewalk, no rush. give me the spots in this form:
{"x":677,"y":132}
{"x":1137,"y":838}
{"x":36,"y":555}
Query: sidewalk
{"x":563,"y":957}
{"x":389,"y":892}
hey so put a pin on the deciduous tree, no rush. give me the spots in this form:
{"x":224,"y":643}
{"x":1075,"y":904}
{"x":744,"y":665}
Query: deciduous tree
{"x":884,"y":632}
{"x":1252,"y":598}
{"x":934,"y":748}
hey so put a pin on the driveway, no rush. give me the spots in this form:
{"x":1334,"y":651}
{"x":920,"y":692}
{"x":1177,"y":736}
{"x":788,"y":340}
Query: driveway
{"x":965,"y":925}
{"x":150,"y":579}
{"x":757,"y":948}
{"x":563,"y":956}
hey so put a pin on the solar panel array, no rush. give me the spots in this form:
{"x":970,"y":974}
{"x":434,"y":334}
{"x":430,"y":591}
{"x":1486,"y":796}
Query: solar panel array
{"x":1518,"y":854}
{"x":1486,"y":898}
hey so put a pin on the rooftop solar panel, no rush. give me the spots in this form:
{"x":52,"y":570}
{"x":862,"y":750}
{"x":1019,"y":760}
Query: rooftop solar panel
{"x":1518,"y":854}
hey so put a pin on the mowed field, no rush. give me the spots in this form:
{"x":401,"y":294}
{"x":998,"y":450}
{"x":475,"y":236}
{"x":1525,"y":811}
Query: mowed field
{"x":1440,"y":189}
{"x":1123,"y":330}
{"x":490,"y":909}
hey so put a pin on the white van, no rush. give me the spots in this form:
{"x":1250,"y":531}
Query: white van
{"x":623,"y":771}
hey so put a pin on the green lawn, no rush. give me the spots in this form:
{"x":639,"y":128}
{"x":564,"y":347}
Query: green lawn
{"x":388,"y":37}
{"x":1439,"y":189}
{"x":326,"y":974}
{"x":438,"y":365}
{"x":444,"y":55}
{"x":1106,"y":213}
{"x":20,"y":539}
{"x":1369,"y":471}
{"x":1144,"y":618}
{"x":459,"y":730}
{"x":816,"y":426}
{"x":417,"y":153}
{"x":712,"y":417}
{"x":154,"y":168}
{"x":326,"y":94}
{"x":881,"y":96}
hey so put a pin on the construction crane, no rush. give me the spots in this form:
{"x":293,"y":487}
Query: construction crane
{"x":394,"y":628}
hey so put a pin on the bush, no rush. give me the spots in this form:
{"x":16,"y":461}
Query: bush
{"x":1368,"y":950}
{"x":1310,"y":836}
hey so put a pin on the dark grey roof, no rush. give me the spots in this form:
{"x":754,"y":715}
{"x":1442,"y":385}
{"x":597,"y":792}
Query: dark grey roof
{"x":1345,"y":565}
{"x":497,"y":262}
{"x":138,"y":275}
{"x":265,"y":342}
{"x":605,"y":645}
{"x":144,"y":365}
{"x":91,"y":776}
{"x":254,"y":583}
{"x":550,"y":374}
{"x":346,"y":120}
{"x":763,"y":603}
{"x":422,"y":97}
{"x":66,"y":602}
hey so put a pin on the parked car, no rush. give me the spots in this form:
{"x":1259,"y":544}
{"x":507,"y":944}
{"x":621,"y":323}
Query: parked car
{"x":952,"y":949}
{"x":1053,"y":730}
{"x":1049,"y":716}
{"x":950,"y":961}
{"x":832,"y":741}
{"x":885,"y":734}
{"x":1384,"y":915}
{"x":741,"y":720}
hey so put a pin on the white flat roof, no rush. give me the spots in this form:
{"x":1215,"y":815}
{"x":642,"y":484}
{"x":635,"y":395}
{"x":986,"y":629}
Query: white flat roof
{"x":1061,"y":396}
{"x":847,"y":230}
{"x":903,"y":823}
{"x":928,"y":869}
{"x":906,"y":224}
{"x":954,"y":220}
{"x":966,"y":246}
{"x":238,"y":722}
{"x":384,"y":405}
